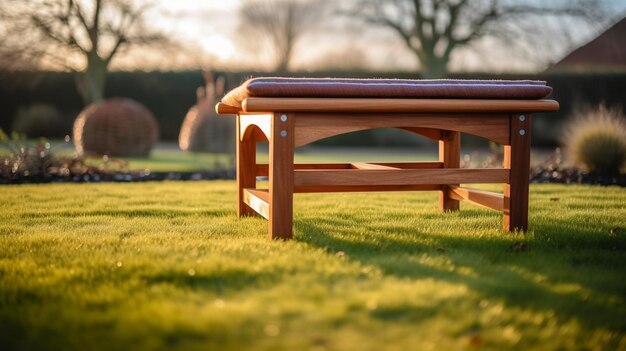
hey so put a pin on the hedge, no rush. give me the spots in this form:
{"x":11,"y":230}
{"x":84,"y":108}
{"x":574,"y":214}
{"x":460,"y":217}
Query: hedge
{"x":170,"y":94}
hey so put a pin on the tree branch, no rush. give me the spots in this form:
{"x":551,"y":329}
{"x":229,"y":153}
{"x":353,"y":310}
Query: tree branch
{"x":79,"y":14}
{"x":438,"y":27}
{"x":477,"y":28}
{"x":418,"y":20}
{"x":47,"y":30}
{"x":405,"y":36}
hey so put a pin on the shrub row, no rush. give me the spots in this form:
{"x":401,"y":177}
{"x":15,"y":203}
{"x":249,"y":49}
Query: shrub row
{"x":169,"y":95}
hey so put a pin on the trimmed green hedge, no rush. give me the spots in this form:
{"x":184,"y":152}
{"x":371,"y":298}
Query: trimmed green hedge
{"x":170,"y":94}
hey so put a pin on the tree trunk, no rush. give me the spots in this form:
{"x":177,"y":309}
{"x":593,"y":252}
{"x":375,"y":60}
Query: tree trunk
{"x":435,"y":68}
{"x":284,"y":50}
{"x":283,"y":61}
{"x":91,"y":81}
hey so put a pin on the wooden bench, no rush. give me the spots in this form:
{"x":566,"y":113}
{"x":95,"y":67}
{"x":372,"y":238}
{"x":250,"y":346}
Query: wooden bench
{"x":294,"y":112}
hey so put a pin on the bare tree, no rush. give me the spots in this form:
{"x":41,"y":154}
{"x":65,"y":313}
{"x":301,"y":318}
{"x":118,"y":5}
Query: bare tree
{"x":79,"y":35}
{"x":434,"y":29}
{"x":282,"y":22}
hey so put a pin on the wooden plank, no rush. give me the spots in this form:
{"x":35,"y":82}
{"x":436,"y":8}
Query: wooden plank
{"x":399,"y":177}
{"x":482,"y":198}
{"x":262,"y":194}
{"x":223,"y":109}
{"x":365,"y":165}
{"x":411,"y":165}
{"x":450,"y":156}
{"x":281,"y":176}
{"x":246,"y":169}
{"x":517,"y":159}
{"x":363,"y":188}
{"x":262,"y":170}
{"x":258,"y":200}
{"x":265,"y":104}
{"x":316,"y":126}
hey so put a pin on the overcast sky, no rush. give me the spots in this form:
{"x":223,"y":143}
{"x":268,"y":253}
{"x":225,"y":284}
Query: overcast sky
{"x":207,"y":29}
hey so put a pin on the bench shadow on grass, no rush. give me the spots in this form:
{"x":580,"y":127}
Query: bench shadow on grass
{"x":218,"y":283}
{"x":499,"y":274}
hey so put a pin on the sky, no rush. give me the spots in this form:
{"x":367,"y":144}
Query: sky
{"x":207,"y":33}
{"x":210,"y":23}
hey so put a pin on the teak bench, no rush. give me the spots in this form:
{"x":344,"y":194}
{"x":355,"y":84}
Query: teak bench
{"x":291,"y":112}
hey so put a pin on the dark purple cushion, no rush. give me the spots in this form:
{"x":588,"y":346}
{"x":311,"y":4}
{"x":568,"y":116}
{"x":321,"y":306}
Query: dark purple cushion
{"x":387,"y":88}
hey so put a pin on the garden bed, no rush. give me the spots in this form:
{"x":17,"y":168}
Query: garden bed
{"x":537,"y":175}
{"x":574,"y":175}
{"x":120,"y":177}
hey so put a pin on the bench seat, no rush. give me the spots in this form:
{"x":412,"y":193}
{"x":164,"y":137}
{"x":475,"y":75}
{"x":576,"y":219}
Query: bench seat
{"x":291,"y":112}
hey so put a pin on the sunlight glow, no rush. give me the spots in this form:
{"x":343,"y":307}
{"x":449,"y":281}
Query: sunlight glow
{"x":218,"y":45}
{"x":207,"y":33}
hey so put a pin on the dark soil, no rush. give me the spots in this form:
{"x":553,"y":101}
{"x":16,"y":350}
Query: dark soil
{"x":122,"y":177}
{"x":549,"y":174}
{"x":537,"y":175}
{"x":43,"y":167}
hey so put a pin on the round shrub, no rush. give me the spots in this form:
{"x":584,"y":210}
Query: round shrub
{"x":203,"y":130}
{"x":596,"y":140}
{"x":116,"y":127}
{"x":39,"y":120}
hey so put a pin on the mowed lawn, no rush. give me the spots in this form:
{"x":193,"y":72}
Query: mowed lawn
{"x":156,"y":266}
{"x":174,"y":160}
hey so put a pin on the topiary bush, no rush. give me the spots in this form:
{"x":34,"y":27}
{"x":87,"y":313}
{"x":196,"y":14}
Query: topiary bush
{"x":39,"y":120}
{"x":116,"y":127}
{"x":595,"y":139}
{"x":203,"y":130}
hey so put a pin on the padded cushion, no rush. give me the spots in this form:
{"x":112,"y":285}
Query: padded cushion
{"x":386,"y":88}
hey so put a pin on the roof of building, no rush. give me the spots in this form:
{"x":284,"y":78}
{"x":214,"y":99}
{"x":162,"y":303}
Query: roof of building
{"x":605,"y":52}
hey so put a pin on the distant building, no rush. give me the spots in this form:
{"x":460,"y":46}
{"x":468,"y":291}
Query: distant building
{"x":605,"y":53}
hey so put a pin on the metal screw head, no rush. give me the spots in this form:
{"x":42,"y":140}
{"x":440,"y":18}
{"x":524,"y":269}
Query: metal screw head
{"x":522,"y":132}
{"x":522,"y":118}
{"x":283,"y":133}
{"x":283,"y":118}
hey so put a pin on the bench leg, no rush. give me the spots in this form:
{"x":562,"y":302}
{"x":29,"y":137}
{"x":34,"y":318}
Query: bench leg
{"x":450,"y":155}
{"x":281,"y":176}
{"x":517,"y":159}
{"x":246,"y":170}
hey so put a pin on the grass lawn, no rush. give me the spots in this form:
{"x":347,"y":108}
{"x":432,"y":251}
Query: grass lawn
{"x":172,"y":160}
{"x":155,"y":266}
{"x":167,"y":157}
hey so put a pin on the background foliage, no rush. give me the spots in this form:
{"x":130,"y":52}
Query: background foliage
{"x":169,"y":95}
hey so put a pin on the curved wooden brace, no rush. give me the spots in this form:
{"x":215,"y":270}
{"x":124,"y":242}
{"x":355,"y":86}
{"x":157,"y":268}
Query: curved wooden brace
{"x":254,"y":133}
{"x":430,"y":133}
{"x":257,"y":127}
{"x":304,"y":137}
{"x":313,"y":127}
